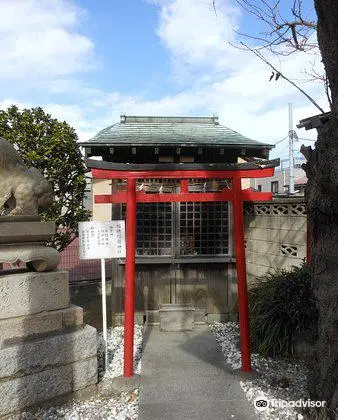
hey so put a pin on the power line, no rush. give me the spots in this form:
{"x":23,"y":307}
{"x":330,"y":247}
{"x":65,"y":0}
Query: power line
{"x":299,"y":138}
{"x":279,"y":141}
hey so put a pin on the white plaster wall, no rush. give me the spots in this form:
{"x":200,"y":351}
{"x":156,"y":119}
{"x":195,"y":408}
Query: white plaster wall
{"x":101,"y":212}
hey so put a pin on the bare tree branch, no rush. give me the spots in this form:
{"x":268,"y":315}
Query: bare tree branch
{"x":261,"y":57}
{"x":295,"y":31}
{"x":214,"y":6}
{"x":283,"y":34}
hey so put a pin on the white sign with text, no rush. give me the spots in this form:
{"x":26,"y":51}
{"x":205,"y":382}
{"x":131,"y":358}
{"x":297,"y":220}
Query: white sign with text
{"x":99,"y":240}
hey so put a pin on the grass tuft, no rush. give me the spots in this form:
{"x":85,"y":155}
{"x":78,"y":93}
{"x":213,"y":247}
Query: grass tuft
{"x":282,"y":306}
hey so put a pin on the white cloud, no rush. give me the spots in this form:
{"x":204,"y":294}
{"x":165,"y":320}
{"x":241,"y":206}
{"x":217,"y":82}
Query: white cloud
{"x":193,"y":32}
{"x":201,"y":40}
{"x":6,"y":103}
{"x":216,"y":78}
{"x":228,"y":81}
{"x":64,"y":85}
{"x":76,"y":116}
{"x":39,"y":40}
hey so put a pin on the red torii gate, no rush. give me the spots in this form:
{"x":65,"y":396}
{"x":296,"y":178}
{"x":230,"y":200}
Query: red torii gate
{"x":235,"y":194}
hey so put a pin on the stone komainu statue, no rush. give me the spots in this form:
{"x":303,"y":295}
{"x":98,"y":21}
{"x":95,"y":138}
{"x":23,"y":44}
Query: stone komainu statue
{"x":23,"y":191}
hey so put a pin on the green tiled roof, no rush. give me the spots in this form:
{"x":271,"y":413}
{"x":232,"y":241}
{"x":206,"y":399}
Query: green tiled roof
{"x":184,"y":131}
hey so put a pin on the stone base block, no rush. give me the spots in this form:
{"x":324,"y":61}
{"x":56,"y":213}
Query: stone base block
{"x":153,"y":317}
{"x":176,"y":317}
{"x":199,"y":316}
{"x":20,"y":393}
{"x":110,"y":386}
{"x":30,"y":356}
{"x":37,"y":370}
{"x":13,"y":230}
{"x":31,"y":292}
{"x":42,"y":323}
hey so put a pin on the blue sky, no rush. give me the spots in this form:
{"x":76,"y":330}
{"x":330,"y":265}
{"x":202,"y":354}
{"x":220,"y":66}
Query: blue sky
{"x":87,"y":61}
{"x":131,"y":57}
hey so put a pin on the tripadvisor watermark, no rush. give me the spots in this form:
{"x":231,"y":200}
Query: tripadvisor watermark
{"x":262,"y":403}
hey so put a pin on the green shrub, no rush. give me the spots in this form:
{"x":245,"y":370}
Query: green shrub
{"x":282,"y":306}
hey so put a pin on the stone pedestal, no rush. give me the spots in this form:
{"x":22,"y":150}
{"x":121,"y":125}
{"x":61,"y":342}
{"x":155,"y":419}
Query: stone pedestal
{"x":45,"y":350}
{"x":23,"y":238}
{"x":176,"y":317}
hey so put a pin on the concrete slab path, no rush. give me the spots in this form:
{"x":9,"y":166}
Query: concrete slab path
{"x":185,"y":377}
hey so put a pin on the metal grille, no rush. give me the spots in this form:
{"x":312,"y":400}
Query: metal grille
{"x":204,"y":228}
{"x":153,"y":228}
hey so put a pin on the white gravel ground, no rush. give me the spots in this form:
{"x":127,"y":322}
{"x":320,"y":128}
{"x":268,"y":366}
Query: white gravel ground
{"x":277,"y":379}
{"x":122,"y":406}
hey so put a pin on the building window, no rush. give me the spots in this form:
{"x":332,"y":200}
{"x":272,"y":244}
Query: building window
{"x":153,"y":228}
{"x":259,"y":187}
{"x":181,"y":229}
{"x":204,"y":228}
{"x":274,"y":186}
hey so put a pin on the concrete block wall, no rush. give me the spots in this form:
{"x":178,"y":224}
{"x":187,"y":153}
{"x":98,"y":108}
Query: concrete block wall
{"x":275,"y":236}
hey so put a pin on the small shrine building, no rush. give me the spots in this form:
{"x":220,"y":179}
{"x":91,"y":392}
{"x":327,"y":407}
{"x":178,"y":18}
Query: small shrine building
{"x":180,"y":184}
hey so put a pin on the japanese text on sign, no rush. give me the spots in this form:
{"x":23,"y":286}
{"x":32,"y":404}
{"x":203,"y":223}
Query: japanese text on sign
{"x":102,"y":239}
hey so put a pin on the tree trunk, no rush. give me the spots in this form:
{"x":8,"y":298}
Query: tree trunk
{"x":322,"y":207}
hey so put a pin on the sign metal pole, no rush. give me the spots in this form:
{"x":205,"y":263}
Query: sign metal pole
{"x":104,"y":311}
{"x":101,"y":240}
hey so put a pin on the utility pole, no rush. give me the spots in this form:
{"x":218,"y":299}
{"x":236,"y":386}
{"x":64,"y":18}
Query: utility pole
{"x":291,"y":161}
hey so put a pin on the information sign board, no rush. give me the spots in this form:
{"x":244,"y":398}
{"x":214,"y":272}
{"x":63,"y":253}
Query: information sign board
{"x":99,"y":240}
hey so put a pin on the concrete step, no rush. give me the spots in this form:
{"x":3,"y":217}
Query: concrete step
{"x":153,"y":317}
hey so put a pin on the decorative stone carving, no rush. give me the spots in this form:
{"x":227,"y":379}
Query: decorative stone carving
{"x":37,"y":257}
{"x":23,"y":191}
{"x":22,"y":239}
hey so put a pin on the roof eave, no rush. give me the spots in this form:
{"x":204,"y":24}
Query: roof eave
{"x":315,"y":121}
{"x":227,"y":145}
{"x":259,"y":163}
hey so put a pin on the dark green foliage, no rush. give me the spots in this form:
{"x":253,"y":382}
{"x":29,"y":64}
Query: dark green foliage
{"x":282,"y":307}
{"x":51,"y":146}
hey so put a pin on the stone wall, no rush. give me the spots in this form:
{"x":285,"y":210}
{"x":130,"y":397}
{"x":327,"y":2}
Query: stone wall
{"x":46,"y":351}
{"x":275,"y":235}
